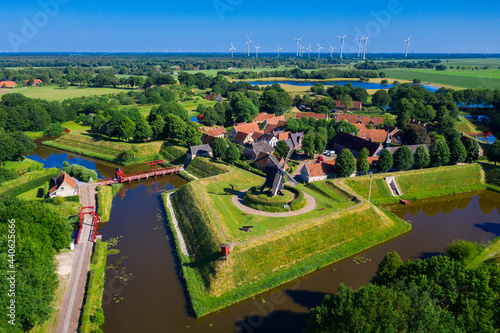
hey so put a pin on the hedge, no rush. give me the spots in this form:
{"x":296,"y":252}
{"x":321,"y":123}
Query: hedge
{"x":249,"y":168}
{"x":37,"y":182}
{"x":73,"y":198}
{"x":300,"y":200}
{"x":250,"y":199}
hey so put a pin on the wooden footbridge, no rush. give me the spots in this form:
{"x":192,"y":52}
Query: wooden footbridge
{"x":153,"y":173}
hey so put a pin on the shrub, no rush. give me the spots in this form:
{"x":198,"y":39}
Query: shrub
{"x":98,"y":317}
{"x":59,"y":200}
{"x":493,"y":177}
{"x":462,"y":250}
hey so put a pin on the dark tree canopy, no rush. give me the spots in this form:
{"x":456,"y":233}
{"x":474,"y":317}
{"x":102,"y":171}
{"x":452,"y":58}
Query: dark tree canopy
{"x":403,"y":158}
{"x":421,"y":157}
{"x":345,"y":164}
{"x":440,"y":153}
{"x":385,"y":161}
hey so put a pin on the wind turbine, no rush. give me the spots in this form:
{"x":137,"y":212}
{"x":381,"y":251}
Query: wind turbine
{"x":278,"y":50}
{"x":407,"y":46}
{"x":257,"y":51}
{"x":232,"y":49}
{"x":359,"y":46}
{"x":298,"y":44}
{"x":331,"y":51}
{"x":319,"y":51}
{"x":341,"y":44}
{"x":364,"y":47}
{"x":302,"y":47}
{"x":309,"y":50}
{"x":248,"y":43}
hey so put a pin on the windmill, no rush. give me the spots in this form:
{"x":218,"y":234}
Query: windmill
{"x":298,"y":44}
{"x":302,"y":47}
{"x":331,"y":51}
{"x":278,"y":50}
{"x":257,"y":51}
{"x":248,"y":43}
{"x":309,"y":50}
{"x":359,"y":46}
{"x":407,"y":46}
{"x":341,"y":44}
{"x":274,"y":175}
{"x":319,"y":51}
{"x":364,"y":46}
{"x":232,"y":49}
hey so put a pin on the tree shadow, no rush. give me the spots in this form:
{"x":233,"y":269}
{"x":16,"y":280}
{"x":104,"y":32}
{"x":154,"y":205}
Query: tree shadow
{"x":492,"y":228}
{"x":277,"y":321}
{"x":427,"y":255}
{"x":308,"y":299}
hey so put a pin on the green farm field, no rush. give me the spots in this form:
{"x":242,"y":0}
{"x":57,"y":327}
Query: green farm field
{"x":489,"y":79}
{"x":54,"y":93}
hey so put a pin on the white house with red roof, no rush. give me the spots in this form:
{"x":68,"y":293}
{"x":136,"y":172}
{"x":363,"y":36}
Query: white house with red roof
{"x":64,"y":186}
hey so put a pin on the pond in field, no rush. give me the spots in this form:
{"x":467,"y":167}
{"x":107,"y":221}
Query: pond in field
{"x":355,"y":84}
{"x":144,"y":291}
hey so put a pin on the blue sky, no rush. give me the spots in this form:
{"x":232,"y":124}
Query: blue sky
{"x":211,"y":25}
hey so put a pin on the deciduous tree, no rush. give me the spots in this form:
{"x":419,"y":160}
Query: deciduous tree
{"x":345,"y":164}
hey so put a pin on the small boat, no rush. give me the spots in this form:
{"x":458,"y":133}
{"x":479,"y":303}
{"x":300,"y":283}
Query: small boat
{"x":404,"y":202}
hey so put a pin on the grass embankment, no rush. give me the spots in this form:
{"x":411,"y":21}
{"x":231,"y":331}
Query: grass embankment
{"x":276,"y":250}
{"x":203,"y":167}
{"x":92,"y":315}
{"x":28,"y":182}
{"x":107,"y":150}
{"x":490,"y":254}
{"x":420,"y":184}
{"x":105,"y":196}
{"x":174,"y":153}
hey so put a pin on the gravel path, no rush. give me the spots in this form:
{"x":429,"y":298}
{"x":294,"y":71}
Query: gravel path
{"x":238,"y":202}
{"x":182,"y":242}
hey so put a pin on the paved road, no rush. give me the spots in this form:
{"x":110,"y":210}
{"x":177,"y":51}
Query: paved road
{"x":73,"y":296}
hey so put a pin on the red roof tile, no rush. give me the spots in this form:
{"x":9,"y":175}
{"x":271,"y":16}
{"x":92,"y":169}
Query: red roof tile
{"x":318,"y":116}
{"x":7,"y":84}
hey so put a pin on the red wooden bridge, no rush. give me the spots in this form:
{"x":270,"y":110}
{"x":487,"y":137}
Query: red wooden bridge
{"x":95,"y":221}
{"x":122,"y":178}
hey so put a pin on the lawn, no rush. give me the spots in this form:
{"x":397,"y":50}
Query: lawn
{"x":71,"y":125}
{"x":420,"y":184}
{"x":25,"y":165}
{"x":491,"y":254}
{"x":54,"y":93}
{"x":277,"y":249}
{"x":489,"y":79}
{"x":105,"y":149}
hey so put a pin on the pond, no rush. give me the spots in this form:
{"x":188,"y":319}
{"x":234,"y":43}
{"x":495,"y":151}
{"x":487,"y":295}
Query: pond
{"x":355,"y":84}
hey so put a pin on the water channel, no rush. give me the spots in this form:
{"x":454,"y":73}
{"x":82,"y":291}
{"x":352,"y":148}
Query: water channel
{"x":145,"y":293}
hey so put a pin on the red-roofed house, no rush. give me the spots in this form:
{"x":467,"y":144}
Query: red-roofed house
{"x":64,"y":186}
{"x":274,"y":121}
{"x":35,"y":82}
{"x":357,"y":106}
{"x":374,"y":135}
{"x":210,"y":135}
{"x":264,"y":116}
{"x":318,"y":116}
{"x":7,"y":84}
{"x":353,"y":119}
{"x":244,"y":127}
{"x":317,"y":171}
{"x":217,"y":97}
{"x":243,"y":138}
